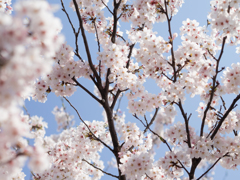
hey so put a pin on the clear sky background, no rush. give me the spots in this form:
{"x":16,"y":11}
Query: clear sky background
{"x":90,"y":109}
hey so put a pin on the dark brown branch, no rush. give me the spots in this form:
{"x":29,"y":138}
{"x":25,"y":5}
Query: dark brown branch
{"x":115,"y":99}
{"x":115,"y":19}
{"x":214,"y":86}
{"x":86,"y":90}
{"x":148,"y":177}
{"x":211,"y":54}
{"x":113,"y":133}
{"x":120,"y":16}
{"x":107,"y":7}
{"x":181,"y":67}
{"x":186,"y":123}
{"x":106,"y":88}
{"x":213,"y":128}
{"x":94,"y":81}
{"x":95,"y":137}
{"x":100,"y":169}
{"x":85,"y":42}
{"x":171,"y":42}
{"x":119,"y":92}
{"x":223,"y":102}
{"x":195,"y":162}
{"x":225,"y":116}
{"x":152,"y":120}
{"x":235,"y":133}
{"x":162,"y":139}
{"x":189,"y":116}
{"x":99,"y":68}
{"x":74,"y":32}
{"x":166,"y":76}
{"x":129,"y":54}
{"x":211,"y":166}
{"x":64,"y":10}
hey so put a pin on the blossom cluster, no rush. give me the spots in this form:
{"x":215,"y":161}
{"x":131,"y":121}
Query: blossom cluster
{"x":70,"y":151}
{"x":134,"y":154}
{"x":225,"y":17}
{"x":149,"y":12}
{"x":34,"y":61}
{"x":231,"y":79}
{"x":92,"y":14}
{"x":28,"y":41}
{"x":5,"y":6}
{"x":59,"y":80}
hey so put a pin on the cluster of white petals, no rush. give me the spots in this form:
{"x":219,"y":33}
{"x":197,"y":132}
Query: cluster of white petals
{"x":5,"y":6}
{"x":69,"y":151}
{"x":35,"y":61}
{"x":28,"y":42}
{"x":149,"y":12}
{"x":60,"y":79}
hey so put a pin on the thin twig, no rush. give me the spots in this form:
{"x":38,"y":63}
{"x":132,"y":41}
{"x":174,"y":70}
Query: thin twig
{"x":212,"y":166}
{"x":215,"y":84}
{"x":224,"y":104}
{"x":235,"y":132}
{"x":85,"y":42}
{"x":152,"y":120}
{"x":186,"y":123}
{"x":211,"y":130}
{"x":107,"y":7}
{"x":95,"y":137}
{"x":86,"y":90}
{"x":162,"y":139}
{"x":74,"y":32}
{"x":24,"y":107}
{"x":100,"y":169}
{"x":171,"y":42}
{"x":166,"y":76}
{"x":115,"y":99}
{"x":148,"y":176}
{"x":97,"y":36}
{"x":212,"y":55}
{"x":225,"y":116}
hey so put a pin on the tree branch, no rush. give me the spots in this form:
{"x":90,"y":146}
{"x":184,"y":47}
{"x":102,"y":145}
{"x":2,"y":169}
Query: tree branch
{"x":74,"y":31}
{"x":100,"y":169}
{"x":95,"y":137}
{"x":186,"y":123}
{"x":213,"y":88}
{"x":211,"y":167}
{"x":97,"y":36}
{"x":107,"y":7}
{"x":152,"y":120}
{"x":86,"y":90}
{"x":162,"y":139}
{"x":171,"y":42}
{"x":225,"y":116}
{"x":85,"y":42}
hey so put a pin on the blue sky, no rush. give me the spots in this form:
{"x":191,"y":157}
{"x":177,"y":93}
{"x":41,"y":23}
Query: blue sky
{"x":89,"y":108}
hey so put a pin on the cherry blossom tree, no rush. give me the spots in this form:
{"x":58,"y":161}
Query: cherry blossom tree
{"x":36,"y":61}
